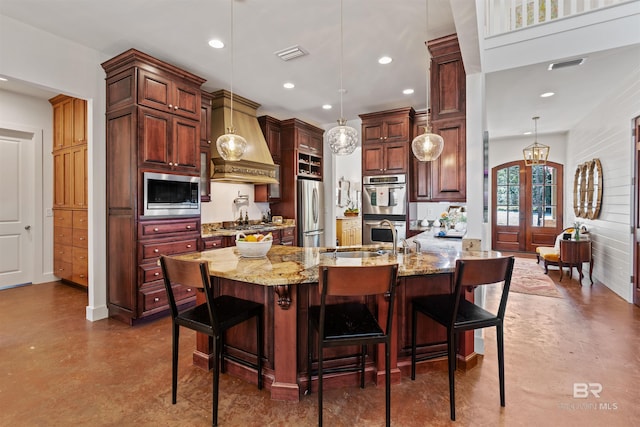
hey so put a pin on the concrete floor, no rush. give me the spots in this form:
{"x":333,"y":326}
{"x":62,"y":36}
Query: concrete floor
{"x":58,"y":369}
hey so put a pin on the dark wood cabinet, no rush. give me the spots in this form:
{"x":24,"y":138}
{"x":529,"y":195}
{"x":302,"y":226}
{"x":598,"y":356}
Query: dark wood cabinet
{"x":153,"y":124}
{"x":448,"y":79}
{"x":301,"y":157}
{"x":444,"y":179}
{"x":205,"y":147}
{"x":386,"y":138}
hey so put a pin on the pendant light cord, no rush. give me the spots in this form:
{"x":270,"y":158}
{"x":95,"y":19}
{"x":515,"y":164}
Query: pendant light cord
{"x":232,"y":49}
{"x":341,"y":60}
{"x":428,"y":83}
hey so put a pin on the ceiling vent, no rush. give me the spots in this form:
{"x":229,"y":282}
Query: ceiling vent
{"x":565,"y":64}
{"x":291,"y":53}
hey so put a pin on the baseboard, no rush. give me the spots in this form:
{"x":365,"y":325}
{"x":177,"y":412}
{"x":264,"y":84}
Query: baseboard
{"x":97,"y":313}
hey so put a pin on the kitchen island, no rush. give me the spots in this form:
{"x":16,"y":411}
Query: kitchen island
{"x":285,"y":281}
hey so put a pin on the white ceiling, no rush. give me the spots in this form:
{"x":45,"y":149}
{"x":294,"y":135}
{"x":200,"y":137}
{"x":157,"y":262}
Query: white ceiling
{"x":177,"y":31}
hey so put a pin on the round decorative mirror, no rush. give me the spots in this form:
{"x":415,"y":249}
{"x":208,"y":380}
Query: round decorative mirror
{"x":587,"y":189}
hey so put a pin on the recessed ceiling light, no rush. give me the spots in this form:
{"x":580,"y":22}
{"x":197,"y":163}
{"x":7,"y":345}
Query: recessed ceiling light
{"x":547,"y":94}
{"x":407,"y":91}
{"x":385,"y":60}
{"x":327,"y":107}
{"x":215,"y":43}
{"x":527,"y":132}
{"x":289,"y":85}
{"x":2,"y":79}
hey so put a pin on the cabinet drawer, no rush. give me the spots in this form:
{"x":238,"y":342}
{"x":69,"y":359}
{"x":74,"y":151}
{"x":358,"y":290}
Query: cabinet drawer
{"x":213,"y":243}
{"x":62,"y":269}
{"x":80,"y":219}
{"x":152,"y":250}
{"x":62,"y":218}
{"x":80,"y":256}
{"x":154,"y":298}
{"x":80,"y":275}
{"x":150,"y":273}
{"x":63,"y":235}
{"x":287,"y":232}
{"x":162,"y":228}
{"x":62,"y":253}
{"x":80,"y":238}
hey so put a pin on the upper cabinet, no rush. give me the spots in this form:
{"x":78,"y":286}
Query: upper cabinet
{"x":271,"y":130}
{"x":443,"y":179}
{"x":69,"y":121}
{"x":386,"y":137}
{"x":168,"y":94}
{"x":448,"y":79}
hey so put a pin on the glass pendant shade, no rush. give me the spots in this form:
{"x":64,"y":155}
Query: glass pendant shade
{"x":428,"y":146}
{"x":343,"y":139}
{"x":231,"y":146}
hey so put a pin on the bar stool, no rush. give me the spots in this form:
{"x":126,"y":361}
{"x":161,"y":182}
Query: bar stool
{"x":352,"y":323}
{"x":212,"y":318}
{"x":458,"y":315}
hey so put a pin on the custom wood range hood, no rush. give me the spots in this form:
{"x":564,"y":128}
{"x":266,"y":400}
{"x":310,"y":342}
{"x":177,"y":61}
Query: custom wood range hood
{"x":256,"y":165}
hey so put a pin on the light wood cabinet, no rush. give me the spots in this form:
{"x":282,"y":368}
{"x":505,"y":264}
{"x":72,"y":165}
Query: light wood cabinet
{"x":153,"y":113}
{"x":70,"y":190}
{"x":386,"y":137}
{"x":349,"y":231}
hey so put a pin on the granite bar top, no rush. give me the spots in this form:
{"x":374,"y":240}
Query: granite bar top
{"x":286,"y":265}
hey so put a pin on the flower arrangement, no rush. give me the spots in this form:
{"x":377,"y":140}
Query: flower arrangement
{"x":576,"y":230}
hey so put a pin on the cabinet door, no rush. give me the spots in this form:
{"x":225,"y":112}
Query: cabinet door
{"x":448,"y":172}
{"x":62,"y":173}
{"x":155,"y":137}
{"x":79,"y":177}
{"x":373,"y":159}
{"x":396,"y":129}
{"x":79,"y":121}
{"x":273,"y":140}
{"x":154,"y":91}
{"x":315,"y":143}
{"x":372,"y":131}
{"x":186,"y":100}
{"x":395,"y":157}
{"x":420,"y":178}
{"x":185,"y":149}
{"x":449,"y":82}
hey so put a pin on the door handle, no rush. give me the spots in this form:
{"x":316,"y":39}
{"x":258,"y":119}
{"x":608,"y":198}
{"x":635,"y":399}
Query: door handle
{"x":27,"y":227}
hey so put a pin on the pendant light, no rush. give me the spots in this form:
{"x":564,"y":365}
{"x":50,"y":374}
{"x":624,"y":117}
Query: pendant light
{"x":535,"y":154}
{"x":342,"y":138}
{"x":231,"y":146}
{"x":428,"y":146}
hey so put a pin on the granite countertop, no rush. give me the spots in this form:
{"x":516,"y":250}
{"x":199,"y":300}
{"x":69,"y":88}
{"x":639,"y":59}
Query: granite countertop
{"x":286,"y":265}
{"x":217,"y":230}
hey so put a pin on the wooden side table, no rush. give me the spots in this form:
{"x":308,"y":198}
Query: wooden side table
{"x":573,"y":253}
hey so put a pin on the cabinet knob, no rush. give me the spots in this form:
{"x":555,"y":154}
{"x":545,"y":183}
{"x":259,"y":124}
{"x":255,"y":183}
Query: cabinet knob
{"x":156,"y":229}
{"x":209,"y":141}
{"x":170,"y":163}
{"x":156,"y":250}
{"x":82,"y":276}
{"x":188,"y":246}
{"x":175,"y":107}
{"x":156,"y":299}
{"x":156,"y":274}
{"x":188,"y":227}
{"x":188,"y":289}
{"x":170,"y":106}
{"x":82,"y":238}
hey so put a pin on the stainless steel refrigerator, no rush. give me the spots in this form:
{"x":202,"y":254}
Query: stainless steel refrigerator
{"x":310,"y":213}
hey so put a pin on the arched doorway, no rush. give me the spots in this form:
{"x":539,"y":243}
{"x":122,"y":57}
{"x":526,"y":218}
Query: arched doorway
{"x":526,"y":206}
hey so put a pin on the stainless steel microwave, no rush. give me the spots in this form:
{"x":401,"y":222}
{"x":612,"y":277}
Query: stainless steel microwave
{"x":171,"y":195}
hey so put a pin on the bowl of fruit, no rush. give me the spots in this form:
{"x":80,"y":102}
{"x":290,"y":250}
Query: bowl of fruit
{"x":253,"y":245}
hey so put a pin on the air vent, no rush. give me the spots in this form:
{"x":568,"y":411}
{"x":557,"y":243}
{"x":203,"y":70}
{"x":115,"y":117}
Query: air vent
{"x":565,"y":64}
{"x":291,"y":53}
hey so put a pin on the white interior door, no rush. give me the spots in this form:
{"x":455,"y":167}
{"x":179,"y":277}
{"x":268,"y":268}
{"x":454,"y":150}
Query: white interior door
{"x":16,"y":210}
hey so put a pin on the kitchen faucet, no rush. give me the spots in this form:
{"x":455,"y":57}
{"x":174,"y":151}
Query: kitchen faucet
{"x":393,"y":234}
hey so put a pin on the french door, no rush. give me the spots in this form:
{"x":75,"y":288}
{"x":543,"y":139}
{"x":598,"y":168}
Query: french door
{"x":526,"y":206}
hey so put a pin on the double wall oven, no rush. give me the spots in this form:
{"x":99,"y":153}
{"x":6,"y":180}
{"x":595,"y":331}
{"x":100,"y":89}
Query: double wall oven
{"x":383,"y":197}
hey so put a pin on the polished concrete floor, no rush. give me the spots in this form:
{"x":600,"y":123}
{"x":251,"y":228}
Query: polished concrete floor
{"x":58,"y":369}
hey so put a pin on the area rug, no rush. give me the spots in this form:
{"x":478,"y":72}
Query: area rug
{"x":529,"y":278}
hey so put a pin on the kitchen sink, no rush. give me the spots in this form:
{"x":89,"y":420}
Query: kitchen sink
{"x":355,"y":254}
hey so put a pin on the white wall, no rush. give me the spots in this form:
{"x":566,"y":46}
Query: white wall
{"x":221,"y":207}
{"x":606,"y":134}
{"x":62,"y":66}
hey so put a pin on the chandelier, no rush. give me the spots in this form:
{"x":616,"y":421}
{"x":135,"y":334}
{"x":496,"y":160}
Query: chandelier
{"x":536,"y":153}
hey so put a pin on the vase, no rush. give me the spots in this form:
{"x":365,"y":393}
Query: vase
{"x":576,"y":234}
